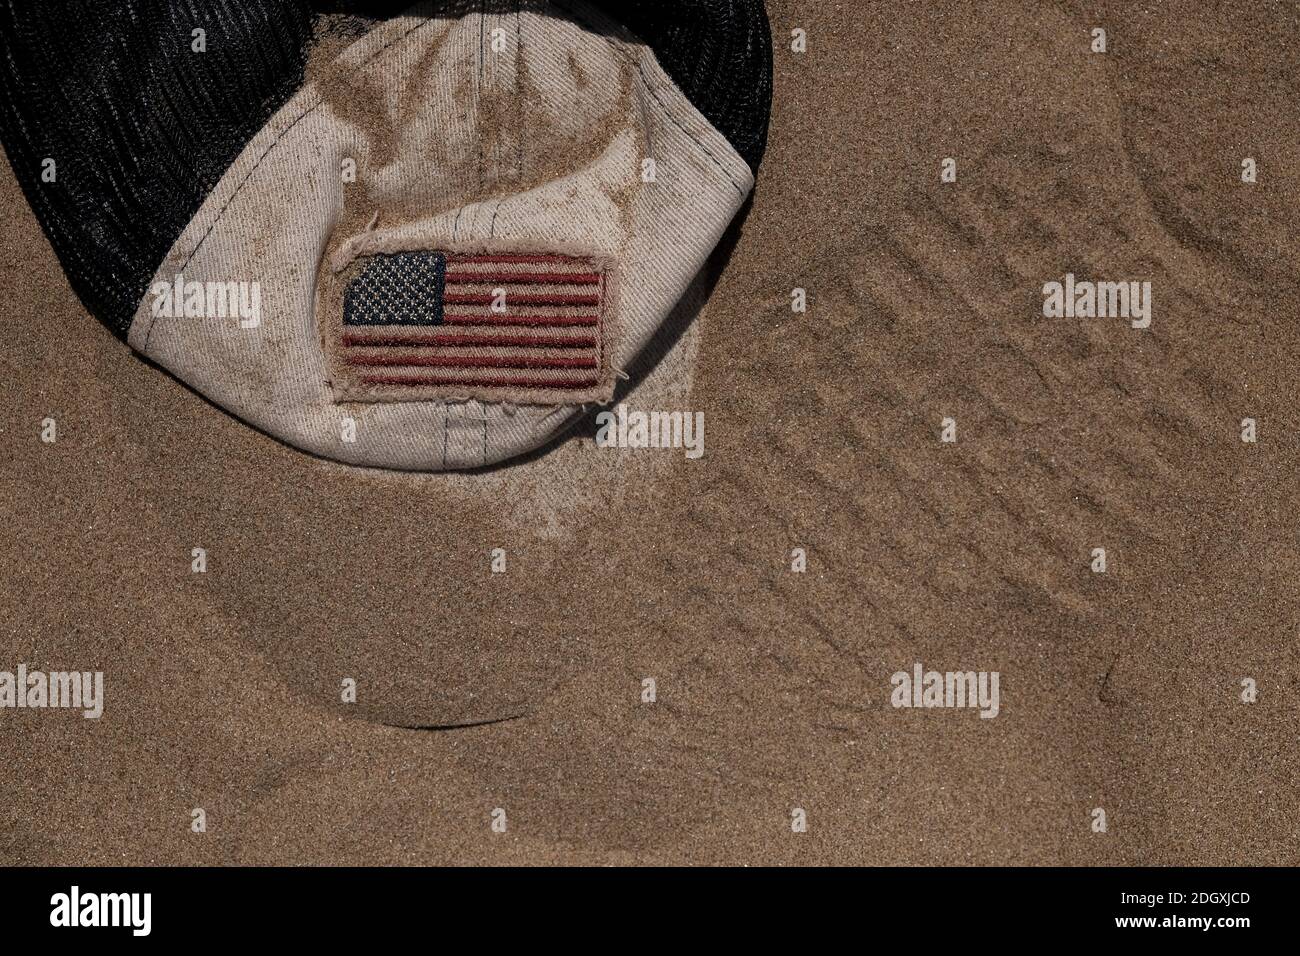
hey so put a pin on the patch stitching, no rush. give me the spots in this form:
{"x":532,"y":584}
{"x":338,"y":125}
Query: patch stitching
{"x":420,"y":325}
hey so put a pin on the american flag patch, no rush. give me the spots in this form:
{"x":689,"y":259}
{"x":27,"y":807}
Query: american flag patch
{"x":500,"y":327}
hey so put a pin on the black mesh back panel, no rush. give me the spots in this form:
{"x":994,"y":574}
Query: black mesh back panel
{"x":141,"y":127}
{"x":719,"y":52}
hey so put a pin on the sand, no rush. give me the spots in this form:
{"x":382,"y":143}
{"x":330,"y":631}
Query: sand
{"x":1119,"y":691}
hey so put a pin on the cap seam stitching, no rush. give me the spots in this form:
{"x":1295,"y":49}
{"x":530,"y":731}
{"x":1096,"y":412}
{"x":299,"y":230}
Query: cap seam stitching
{"x":654,"y":93}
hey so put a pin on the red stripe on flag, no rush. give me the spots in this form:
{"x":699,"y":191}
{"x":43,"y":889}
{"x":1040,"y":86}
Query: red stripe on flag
{"x":485,"y":382}
{"x":460,"y":318}
{"x":523,"y":278}
{"x":473,"y":361}
{"x":510,"y":260}
{"x":528,"y":298}
{"x":468,"y":340}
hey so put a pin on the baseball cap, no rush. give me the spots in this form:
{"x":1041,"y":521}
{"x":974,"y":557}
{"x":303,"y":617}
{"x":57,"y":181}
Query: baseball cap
{"x":420,"y":237}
